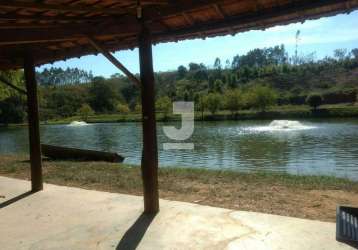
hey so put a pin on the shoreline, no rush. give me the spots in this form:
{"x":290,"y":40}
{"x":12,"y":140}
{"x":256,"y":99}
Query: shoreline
{"x":312,"y":197}
{"x":296,"y":112}
{"x":292,"y":112}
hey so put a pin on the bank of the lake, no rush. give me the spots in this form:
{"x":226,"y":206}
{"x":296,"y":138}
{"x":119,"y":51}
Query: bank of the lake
{"x":279,"y":112}
{"x":312,"y":197}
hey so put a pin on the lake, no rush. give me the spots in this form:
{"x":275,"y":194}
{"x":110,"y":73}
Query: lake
{"x":320,"y":147}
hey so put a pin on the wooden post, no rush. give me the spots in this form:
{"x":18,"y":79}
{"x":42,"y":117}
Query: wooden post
{"x":149,"y":164}
{"x":34,"y":127}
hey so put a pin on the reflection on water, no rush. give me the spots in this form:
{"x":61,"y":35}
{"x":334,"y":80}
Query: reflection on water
{"x":322,"y":147}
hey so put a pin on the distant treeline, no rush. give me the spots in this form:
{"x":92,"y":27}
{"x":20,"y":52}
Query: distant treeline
{"x":256,"y":80}
{"x":58,"y":76}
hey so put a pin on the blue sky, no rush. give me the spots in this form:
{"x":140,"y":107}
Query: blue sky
{"x":322,"y":36}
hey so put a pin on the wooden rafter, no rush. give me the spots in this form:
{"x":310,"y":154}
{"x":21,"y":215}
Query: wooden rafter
{"x":13,"y":86}
{"x":66,"y":33}
{"x":113,"y":60}
{"x":56,"y":31}
{"x":77,"y":8}
{"x":187,"y":18}
{"x":249,"y":18}
{"x":178,"y":8}
{"x":27,"y":26}
{"x":15,"y":17}
{"x":61,"y":8}
{"x":218,"y":11}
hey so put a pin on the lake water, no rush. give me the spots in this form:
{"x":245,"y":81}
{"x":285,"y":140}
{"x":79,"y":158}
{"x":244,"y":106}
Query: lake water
{"x":321,"y":147}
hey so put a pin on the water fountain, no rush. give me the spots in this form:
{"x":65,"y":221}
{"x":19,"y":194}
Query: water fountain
{"x":78,"y":124}
{"x":284,"y":125}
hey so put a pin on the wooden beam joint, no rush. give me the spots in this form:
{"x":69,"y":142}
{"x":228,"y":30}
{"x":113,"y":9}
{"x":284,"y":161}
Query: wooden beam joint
{"x":113,"y":60}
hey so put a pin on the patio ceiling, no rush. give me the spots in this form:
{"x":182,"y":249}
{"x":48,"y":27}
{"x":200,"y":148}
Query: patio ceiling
{"x":55,"y":30}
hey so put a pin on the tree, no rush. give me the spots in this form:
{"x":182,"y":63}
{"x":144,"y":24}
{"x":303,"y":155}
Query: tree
{"x":218,"y":85}
{"x":217,"y":64}
{"x":164,"y":105}
{"x":85,"y":111}
{"x":355,"y":53}
{"x":340,"y":54}
{"x":12,"y":110}
{"x":63,"y":101}
{"x":227,"y":64}
{"x":235,"y":62}
{"x":194,"y":66}
{"x":261,"y":97}
{"x":182,"y":71}
{"x":123,"y":108}
{"x":276,"y":55}
{"x":138,"y":108}
{"x":213,"y":102}
{"x":233,"y":100}
{"x":201,"y":104}
{"x":298,"y":39}
{"x":102,"y":97}
{"x":57,"y":76}
{"x":314,"y":100}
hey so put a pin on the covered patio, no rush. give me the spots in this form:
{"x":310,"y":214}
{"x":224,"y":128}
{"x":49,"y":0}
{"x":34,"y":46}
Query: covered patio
{"x":40,"y":32}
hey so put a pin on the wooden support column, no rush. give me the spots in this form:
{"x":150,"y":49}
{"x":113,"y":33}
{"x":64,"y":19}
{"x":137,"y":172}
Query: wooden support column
{"x":33,"y":120}
{"x":149,"y":164}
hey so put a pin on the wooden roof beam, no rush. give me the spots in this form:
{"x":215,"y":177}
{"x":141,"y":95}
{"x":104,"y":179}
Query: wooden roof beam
{"x":187,"y":18}
{"x":251,"y":17}
{"x":113,"y":60}
{"x":27,"y":26}
{"x":178,"y":8}
{"x":64,"y":33}
{"x":78,"y":8}
{"x":219,"y":11}
{"x":222,"y":15}
{"x":61,"y":7}
{"x":16,"y":17}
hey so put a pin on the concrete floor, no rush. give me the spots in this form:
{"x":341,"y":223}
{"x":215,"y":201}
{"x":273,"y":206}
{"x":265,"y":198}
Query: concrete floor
{"x":72,"y":218}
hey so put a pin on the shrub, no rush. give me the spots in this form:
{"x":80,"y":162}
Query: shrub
{"x":12,"y":110}
{"x":261,"y":97}
{"x":201,"y":104}
{"x":138,"y":108}
{"x":314,"y":100}
{"x":340,"y":96}
{"x":122,"y":108}
{"x":233,"y":100}
{"x":213,"y":101}
{"x":85,"y":111}
{"x":164,"y":105}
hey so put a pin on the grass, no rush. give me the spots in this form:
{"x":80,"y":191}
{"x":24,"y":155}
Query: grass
{"x":313,"y":197}
{"x":277,"y":112}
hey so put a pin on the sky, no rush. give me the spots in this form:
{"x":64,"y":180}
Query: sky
{"x":321,"y":36}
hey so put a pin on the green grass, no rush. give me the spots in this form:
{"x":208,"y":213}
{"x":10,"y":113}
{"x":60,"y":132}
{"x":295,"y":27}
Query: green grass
{"x":313,"y":197}
{"x":102,"y":172}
